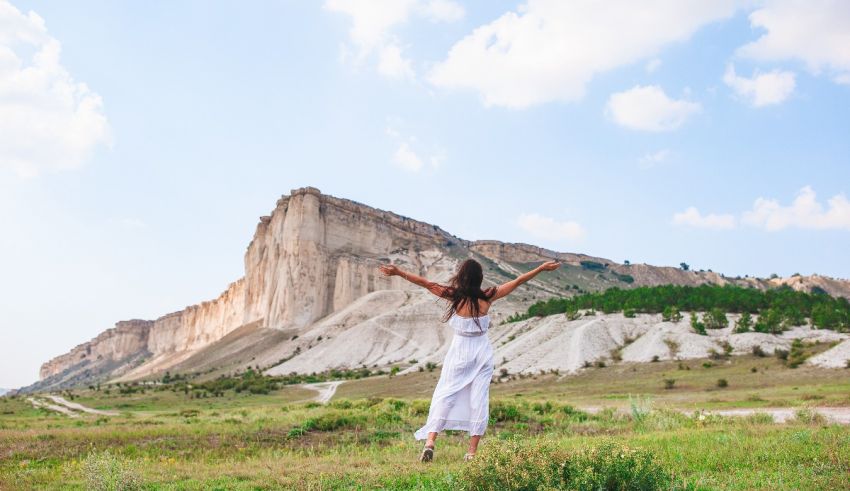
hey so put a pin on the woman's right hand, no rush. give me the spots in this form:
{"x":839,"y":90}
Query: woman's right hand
{"x":389,"y":270}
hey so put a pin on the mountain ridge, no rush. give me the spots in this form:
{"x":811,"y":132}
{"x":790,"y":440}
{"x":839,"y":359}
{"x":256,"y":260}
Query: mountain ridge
{"x":315,"y":256}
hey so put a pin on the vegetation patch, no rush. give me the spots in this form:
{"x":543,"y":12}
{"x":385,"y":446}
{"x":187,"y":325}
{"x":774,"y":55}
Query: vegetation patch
{"x":778,"y":309}
{"x":515,"y":465}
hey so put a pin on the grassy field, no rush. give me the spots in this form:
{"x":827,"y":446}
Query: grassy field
{"x":363,"y":438}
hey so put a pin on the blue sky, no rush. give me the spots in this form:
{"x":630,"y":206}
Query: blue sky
{"x":713,"y":133}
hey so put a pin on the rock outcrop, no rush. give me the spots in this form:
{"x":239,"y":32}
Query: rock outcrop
{"x":311,"y":273}
{"x":127,"y":338}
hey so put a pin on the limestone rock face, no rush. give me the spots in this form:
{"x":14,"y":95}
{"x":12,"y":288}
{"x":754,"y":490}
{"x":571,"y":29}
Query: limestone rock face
{"x":311,"y":284}
{"x":313,"y":255}
{"x":125,"y":339}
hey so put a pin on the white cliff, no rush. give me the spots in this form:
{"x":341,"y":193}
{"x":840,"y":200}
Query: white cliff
{"x":311,"y":272}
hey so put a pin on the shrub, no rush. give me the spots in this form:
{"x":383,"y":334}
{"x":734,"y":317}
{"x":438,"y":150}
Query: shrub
{"x":106,"y":472}
{"x":697,"y":325}
{"x":760,"y":418}
{"x":807,"y":416}
{"x":655,"y":358}
{"x":797,"y":355}
{"x":575,"y":414}
{"x":522,"y":466}
{"x":543,"y":408}
{"x":630,"y":313}
{"x":715,"y":319}
{"x":671,"y":314}
{"x":782,"y":354}
{"x":669,"y":383}
{"x":625,"y":278}
{"x":640,"y":409}
{"x":722,"y":383}
{"x":758,"y":351}
{"x":327,"y":422}
{"x":501,"y":411}
{"x":419,"y":407}
{"x":744,"y":323}
{"x":341,"y":404}
{"x":593,"y":265}
{"x":769,"y":321}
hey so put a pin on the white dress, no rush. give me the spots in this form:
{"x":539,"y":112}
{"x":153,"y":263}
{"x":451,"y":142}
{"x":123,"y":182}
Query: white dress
{"x":461,"y":398}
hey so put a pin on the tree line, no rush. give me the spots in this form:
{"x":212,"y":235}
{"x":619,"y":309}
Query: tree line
{"x":777,"y":308}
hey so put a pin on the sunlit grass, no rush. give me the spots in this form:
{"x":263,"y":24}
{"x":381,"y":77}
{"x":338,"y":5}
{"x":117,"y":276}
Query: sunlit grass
{"x":363,"y":438}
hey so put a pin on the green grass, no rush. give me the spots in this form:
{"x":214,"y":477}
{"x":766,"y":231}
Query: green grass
{"x":363,"y":438}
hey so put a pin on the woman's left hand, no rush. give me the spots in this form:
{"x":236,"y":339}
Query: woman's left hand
{"x":389,"y":270}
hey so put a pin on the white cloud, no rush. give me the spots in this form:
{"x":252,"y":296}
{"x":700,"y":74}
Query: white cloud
{"x":548,"y":50}
{"x":546,"y":228}
{"x":408,"y":154}
{"x":372,"y":23}
{"x":47,"y":120}
{"x":804,"y":212}
{"x":763,"y":89}
{"x":392,"y":64}
{"x":371,"y":19}
{"x":653,"y":159}
{"x":406,"y":158}
{"x":442,"y":10}
{"x":816,"y":32}
{"x":648,"y":108}
{"x":693,"y":218}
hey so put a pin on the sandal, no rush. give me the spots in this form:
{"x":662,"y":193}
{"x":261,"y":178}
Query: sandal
{"x":427,"y":454}
{"x":468,"y":457}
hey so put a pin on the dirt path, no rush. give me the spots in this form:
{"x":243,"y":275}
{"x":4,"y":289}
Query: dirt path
{"x":53,"y":407}
{"x":840,"y":415}
{"x":79,"y":407}
{"x":326,"y":390}
{"x":70,"y":409}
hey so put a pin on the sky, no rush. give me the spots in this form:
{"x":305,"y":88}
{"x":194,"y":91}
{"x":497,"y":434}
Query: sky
{"x":141,"y":141}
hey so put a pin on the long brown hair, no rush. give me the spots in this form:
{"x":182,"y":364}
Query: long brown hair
{"x":465,"y":288}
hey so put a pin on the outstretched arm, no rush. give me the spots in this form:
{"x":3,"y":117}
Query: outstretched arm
{"x":506,"y":288}
{"x":393,"y":270}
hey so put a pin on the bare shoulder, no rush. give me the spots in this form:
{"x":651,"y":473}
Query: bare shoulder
{"x":484,"y":306}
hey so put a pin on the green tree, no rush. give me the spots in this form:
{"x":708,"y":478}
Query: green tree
{"x":715,"y":319}
{"x":684,"y":266}
{"x":824,"y":316}
{"x":698,"y":326}
{"x":671,"y":314}
{"x":769,"y":321}
{"x":744,"y":323}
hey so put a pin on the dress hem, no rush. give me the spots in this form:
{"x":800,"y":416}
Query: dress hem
{"x":474,"y":428}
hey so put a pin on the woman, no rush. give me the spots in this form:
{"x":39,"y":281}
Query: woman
{"x":461,"y":398}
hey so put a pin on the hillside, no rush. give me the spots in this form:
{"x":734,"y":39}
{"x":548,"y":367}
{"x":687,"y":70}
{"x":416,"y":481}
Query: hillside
{"x":311,"y":298}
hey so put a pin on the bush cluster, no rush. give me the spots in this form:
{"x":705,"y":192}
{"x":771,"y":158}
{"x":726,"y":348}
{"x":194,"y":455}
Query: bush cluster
{"x":777,"y":308}
{"x":541,"y":465}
